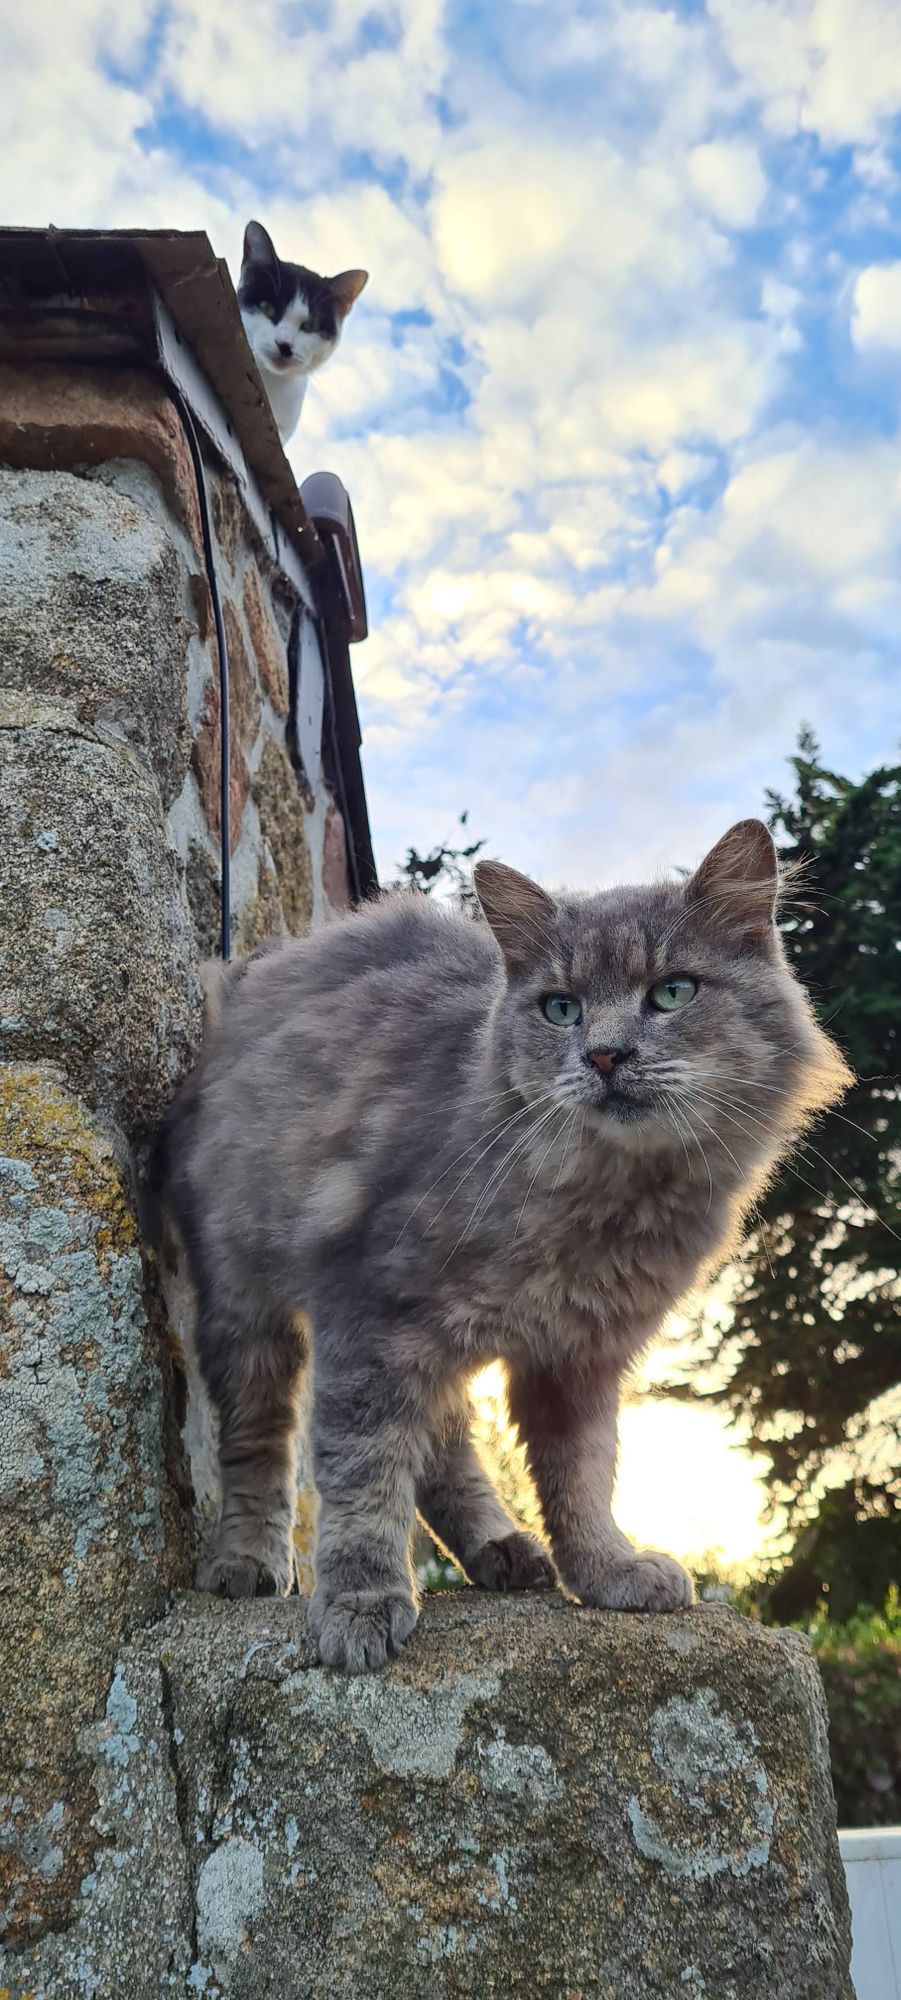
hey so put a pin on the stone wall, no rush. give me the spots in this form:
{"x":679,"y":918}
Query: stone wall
{"x":109,"y":901}
{"x":532,"y":1801}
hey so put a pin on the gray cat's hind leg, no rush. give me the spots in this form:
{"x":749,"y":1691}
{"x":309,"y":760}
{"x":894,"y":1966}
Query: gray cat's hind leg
{"x":459,"y":1504}
{"x":253,"y":1373}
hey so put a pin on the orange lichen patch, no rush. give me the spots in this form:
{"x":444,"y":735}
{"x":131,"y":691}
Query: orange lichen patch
{"x":283,"y":822}
{"x":89,"y":1528}
{"x":39,"y":1117}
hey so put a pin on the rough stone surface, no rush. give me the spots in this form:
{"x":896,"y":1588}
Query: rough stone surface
{"x":97,"y":966}
{"x":265,"y":916}
{"x":90,"y":612}
{"x":205,"y":761}
{"x":202,"y":602}
{"x":229,"y":519}
{"x":202,"y":877}
{"x":109,"y":895}
{"x":244,"y":707}
{"x":90,"y":1528}
{"x":270,"y":653}
{"x":57,"y":417}
{"x":282,"y":821}
{"x":534,"y":1800}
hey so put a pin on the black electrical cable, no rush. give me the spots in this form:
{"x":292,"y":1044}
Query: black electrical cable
{"x":338,"y":767}
{"x":224,"y":748}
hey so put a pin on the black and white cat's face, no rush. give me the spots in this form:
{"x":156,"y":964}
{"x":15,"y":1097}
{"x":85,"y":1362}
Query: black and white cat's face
{"x":292,"y":317}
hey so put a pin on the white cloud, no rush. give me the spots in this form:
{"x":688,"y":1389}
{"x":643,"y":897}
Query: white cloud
{"x":832,"y":67}
{"x":512,"y":214}
{"x":709,"y":385}
{"x":786,"y":586}
{"x":876,"y":317}
{"x":797,"y":525}
{"x":305,"y":82}
{"x":727,"y":177}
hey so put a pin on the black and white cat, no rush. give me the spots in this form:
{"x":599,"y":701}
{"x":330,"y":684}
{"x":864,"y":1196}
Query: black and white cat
{"x":293,"y":320}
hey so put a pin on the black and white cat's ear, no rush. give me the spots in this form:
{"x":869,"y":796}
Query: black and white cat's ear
{"x":738,"y":881}
{"x":346,"y":288}
{"x":521,"y":915}
{"x":258,"y":246}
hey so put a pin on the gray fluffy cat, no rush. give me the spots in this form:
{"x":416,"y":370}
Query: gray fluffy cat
{"x":444,"y":1142}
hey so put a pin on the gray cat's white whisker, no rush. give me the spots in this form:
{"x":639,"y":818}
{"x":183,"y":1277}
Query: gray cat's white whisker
{"x":669,"y":1106}
{"x":777,"y":1090}
{"x":499,"y":1131}
{"x":520,"y":1148}
{"x":525,"y":1201}
{"x":501,"y":1173}
{"x":485,"y":1107}
{"x":721,"y":1142}
{"x":685,"y":1114}
{"x":727,"y":1149}
{"x":804,"y":1147}
{"x":521,"y":1141}
{"x":564,"y":1150}
{"x":501,"y":1127}
{"x":787,"y":1165}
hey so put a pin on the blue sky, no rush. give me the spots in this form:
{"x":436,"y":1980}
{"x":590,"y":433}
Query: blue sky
{"x":619,"y":410}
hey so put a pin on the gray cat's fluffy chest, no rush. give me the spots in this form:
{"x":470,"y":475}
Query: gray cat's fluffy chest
{"x":590,"y":1281}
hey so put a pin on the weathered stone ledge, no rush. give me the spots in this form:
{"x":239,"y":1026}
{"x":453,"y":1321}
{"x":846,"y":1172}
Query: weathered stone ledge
{"x":533,"y":1800}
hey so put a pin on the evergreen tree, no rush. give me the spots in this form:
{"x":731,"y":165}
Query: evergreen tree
{"x":808,"y":1351}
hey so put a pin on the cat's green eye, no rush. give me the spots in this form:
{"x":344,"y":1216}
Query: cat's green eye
{"x":670,"y":994}
{"x":562,"y":1010}
{"x":306,"y":326}
{"x":267,"y":309}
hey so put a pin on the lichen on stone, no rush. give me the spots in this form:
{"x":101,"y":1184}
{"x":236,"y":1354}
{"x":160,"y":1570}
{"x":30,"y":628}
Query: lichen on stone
{"x":264,"y":1830}
{"x":709,"y":1811}
{"x":283,"y":824}
{"x":410,"y":1732}
{"x":85,"y":1510}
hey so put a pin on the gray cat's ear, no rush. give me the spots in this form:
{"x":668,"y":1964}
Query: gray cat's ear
{"x":346,"y":288}
{"x":258,"y":246}
{"x":520,"y":914}
{"x":738,"y":881}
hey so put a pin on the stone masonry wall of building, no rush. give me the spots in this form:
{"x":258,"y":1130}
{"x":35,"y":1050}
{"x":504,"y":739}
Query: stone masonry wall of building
{"x":109,"y":903}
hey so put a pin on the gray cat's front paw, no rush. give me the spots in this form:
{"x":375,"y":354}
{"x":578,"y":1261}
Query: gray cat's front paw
{"x":644,"y":1582}
{"x":513,"y":1562}
{"x":244,"y":1576}
{"x":360,"y":1629}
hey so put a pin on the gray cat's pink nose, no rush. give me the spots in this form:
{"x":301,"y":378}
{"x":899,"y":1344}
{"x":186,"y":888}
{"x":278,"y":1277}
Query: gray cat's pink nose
{"x":607,"y":1060}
